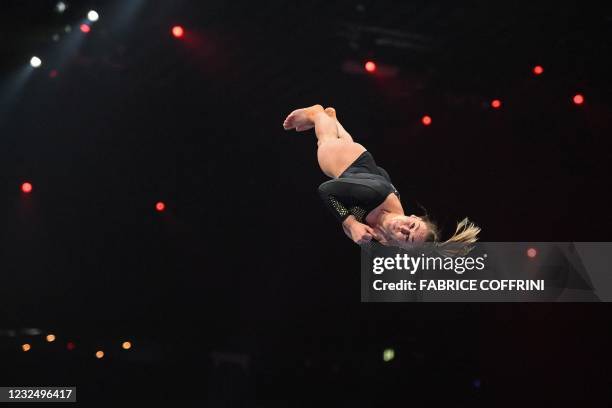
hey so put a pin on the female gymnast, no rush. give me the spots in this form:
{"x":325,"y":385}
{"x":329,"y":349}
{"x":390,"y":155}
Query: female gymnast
{"x":361,"y":196}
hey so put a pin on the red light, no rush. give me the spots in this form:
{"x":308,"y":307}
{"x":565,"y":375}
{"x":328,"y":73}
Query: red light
{"x":426,"y":120}
{"x":53,"y":73}
{"x":160,"y":206}
{"x":85,"y":28}
{"x":531,"y":252}
{"x":70,"y":346}
{"x":26,"y":187}
{"x":538,"y":70}
{"x":578,"y":99}
{"x":177,"y":31}
{"x":496,"y":103}
{"x":370,"y":66}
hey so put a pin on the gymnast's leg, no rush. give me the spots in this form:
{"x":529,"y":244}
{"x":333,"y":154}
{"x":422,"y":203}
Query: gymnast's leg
{"x":342,"y":133}
{"x":336,"y":149}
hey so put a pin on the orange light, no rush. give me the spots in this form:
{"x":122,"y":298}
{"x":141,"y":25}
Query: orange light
{"x":426,"y":120}
{"x":178,"y":31}
{"x":126,"y":345}
{"x":26,"y":187}
{"x":538,"y":70}
{"x":578,"y":99}
{"x":496,"y":103}
{"x":50,"y":338}
{"x":26,"y":347}
{"x":99,"y":354}
{"x":531,"y":252}
{"x":370,"y":66}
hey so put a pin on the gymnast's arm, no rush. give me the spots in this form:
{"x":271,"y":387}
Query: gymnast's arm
{"x":359,"y":233}
{"x":338,"y":195}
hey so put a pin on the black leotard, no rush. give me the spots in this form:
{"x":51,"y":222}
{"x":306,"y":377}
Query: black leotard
{"x":358,"y":190}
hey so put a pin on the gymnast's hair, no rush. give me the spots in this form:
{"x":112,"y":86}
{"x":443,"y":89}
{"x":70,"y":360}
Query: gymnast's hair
{"x":459,"y":244}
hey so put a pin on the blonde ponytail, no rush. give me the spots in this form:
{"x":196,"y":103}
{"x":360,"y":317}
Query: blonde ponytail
{"x":462,"y":241}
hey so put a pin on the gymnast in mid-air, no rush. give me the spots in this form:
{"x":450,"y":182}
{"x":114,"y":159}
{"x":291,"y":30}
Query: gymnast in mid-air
{"x":361,"y":195}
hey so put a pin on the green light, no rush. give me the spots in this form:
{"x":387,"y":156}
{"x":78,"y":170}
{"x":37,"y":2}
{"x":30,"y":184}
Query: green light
{"x":388,"y":355}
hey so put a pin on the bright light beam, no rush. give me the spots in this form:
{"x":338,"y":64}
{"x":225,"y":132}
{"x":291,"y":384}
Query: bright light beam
{"x":35,"y":62}
{"x":93,"y":16}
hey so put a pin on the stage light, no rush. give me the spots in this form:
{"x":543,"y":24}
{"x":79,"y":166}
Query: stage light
{"x":26,"y":347}
{"x":578,"y":99}
{"x":35,"y":62}
{"x":53,"y":73}
{"x":538,"y":70}
{"x":50,"y":338}
{"x":370,"y":66}
{"x":532,"y":252}
{"x":26,"y":187}
{"x":388,"y":355}
{"x":85,"y":28}
{"x":126,"y":345}
{"x":496,"y":103}
{"x":67,"y":28}
{"x":93,"y":16}
{"x":55,"y":37}
{"x":160,"y":206}
{"x":70,"y":346}
{"x":60,"y":7}
{"x":426,"y":120}
{"x":178,"y":31}
{"x":99,"y":354}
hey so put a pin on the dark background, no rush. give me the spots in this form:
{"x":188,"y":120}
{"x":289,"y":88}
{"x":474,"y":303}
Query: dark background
{"x":245,"y":291}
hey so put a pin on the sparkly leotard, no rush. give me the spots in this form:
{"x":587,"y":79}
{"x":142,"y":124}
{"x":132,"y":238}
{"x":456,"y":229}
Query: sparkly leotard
{"x":358,"y":190}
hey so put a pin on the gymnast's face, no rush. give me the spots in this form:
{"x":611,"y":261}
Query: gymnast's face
{"x":406,"y":230}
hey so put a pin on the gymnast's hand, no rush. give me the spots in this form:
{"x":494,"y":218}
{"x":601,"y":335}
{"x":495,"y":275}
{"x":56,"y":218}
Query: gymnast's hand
{"x":358,"y":232}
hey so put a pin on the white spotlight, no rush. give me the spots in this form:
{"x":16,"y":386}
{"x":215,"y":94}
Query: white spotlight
{"x":92,"y":16}
{"x":60,"y":7}
{"x":35,"y":62}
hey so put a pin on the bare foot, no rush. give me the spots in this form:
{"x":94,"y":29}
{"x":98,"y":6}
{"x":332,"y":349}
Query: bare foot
{"x":301,"y":119}
{"x":331,"y":112}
